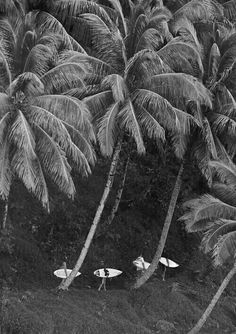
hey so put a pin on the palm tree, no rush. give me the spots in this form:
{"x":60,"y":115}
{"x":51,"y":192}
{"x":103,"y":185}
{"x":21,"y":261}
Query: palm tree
{"x":134,"y":87}
{"x":42,"y":131}
{"x":218,"y":125}
{"x":216,"y":217}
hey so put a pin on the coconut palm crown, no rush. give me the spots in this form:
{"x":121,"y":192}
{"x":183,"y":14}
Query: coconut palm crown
{"x":42,"y":131}
{"x":215,"y":214}
{"x":135,"y":85}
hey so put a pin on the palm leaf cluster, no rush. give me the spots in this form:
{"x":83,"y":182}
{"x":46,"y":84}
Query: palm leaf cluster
{"x":142,"y":76}
{"x":42,"y":131}
{"x":215,"y":214}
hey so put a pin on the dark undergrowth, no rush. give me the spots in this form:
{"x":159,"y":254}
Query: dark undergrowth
{"x":172,"y":306}
{"x":36,"y":244}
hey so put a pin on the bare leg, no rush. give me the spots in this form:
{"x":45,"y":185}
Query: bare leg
{"x":163,"y":275}
{"x":101,"y":285}
{"x":104,"y":284}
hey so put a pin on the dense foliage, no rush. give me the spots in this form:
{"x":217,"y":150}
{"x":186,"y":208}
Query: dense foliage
{"x":79,"y":78}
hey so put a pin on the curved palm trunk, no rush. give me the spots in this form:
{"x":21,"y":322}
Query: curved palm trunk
{"x":212,"y":304}
{"x":119,"y":193}
{"x":153,"y":266}
{"x":64,"y":285}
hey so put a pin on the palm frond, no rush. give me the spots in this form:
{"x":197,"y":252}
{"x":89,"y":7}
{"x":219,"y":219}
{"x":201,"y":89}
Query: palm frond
{"x":230,"y":10}
{"x":63,"y":77}
{"x":54,"y":162}
{"x":185,"y":55}
{"x":84,"y":91}
{"x":5,"y":73}
{"x":219,"y":229}
{"x":226,"y":172}
{"x":118,"y":8}
{"x":59,"y":133}
{"x":151,"y":39}
{"x":4,"y":123}
{"x":206,"y":208}
{"x":209,"y":138}
{"x":25,"y":163}
{"x":8,"y":41}
{"x":57,"y":43}
{"x":137,"y":30}
{"x":129,"y":122}
{"x":186,"y":30}
{"x":21,"y":135}
{"x":107,"y":129}
{"x":69,"y":109}
{"x":28,"y":83}
{"x":228,"y":42}
{"x":225,"y":249}
{"x":99,"y":102}
{"x":224,"y":102}
{"x":203,"y":10}
{"x":5,"y":104}
{"x":143,"y":65}
{"x":116,"y":83}
{"x":227,"y":61}
{"x":161,"y":13}
{"x":82,"y":143}
{"x":201,"y":155}
{"x":170,"y":118}
{"x":106,"y":44}
{"x":149,"y":124}
{"x":230,"y":79}
{"x":5,"y":169}
{"x":223,"y":124}
{"x":91,"y":64}
{"x":179,"y":88}
{"x":67,"y":9}
{"x":214,"y":60}
{"x":225,"y":192}
{"x":40,"y":60}
{"x":46,"y":24}
{"x":29,"y":171}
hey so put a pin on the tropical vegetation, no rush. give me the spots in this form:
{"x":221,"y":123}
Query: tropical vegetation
{"x":86,"y":81}
{"x":214,"y":215}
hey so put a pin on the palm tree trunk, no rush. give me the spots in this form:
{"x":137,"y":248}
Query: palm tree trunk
{"x":153,"y":266}
{"x":4,"y":219}
{"x":64,"y":285}
{"x":212,"y":304}
{"x":119,"y":193}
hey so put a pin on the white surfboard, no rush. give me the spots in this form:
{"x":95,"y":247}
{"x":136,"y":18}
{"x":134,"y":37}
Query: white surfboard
{"x":110,"y":272}
{"x":168,"y":263}
{"x":61,"y":273}
{"x":140,"y":263}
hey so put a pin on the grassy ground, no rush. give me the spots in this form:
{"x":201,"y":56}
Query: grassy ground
{"x":159,"y":307}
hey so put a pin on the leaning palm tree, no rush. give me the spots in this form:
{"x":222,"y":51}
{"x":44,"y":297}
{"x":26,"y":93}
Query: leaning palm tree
{"x":42,"y":131}
{"x":134,"y":86}
{"x":215,"y":45}
{"x":215,"y":216}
